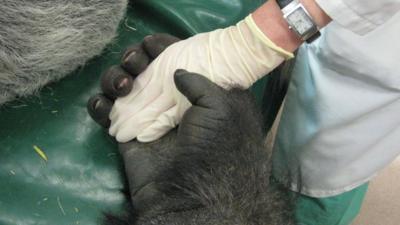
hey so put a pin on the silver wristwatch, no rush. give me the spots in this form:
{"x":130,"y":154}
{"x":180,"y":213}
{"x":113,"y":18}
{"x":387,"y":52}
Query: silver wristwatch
{"x":299,"y":20}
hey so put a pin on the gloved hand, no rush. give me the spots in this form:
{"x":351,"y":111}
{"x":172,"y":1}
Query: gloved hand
{"x":236,"y":56}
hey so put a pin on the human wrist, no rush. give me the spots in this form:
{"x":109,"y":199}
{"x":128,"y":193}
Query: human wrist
{"x":270,"y":20}
{"x":320,"y":18}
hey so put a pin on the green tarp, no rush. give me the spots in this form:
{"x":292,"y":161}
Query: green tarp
{"x":83,"y":174}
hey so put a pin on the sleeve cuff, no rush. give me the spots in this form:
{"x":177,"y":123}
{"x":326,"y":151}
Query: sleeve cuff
{"x":346,"y":16}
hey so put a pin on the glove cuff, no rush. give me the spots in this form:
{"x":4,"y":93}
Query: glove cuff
{"x":264,"y":39}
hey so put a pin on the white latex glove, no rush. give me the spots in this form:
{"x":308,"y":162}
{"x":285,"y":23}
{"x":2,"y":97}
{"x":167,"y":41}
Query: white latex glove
{"x":235,"y":56}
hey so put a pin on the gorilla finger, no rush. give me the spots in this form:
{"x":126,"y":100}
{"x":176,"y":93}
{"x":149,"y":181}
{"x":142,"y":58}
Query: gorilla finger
{"x":115,"y":82}
{"x":157,"y":43}
{"x":135,"y":60}
{"x":99,"y":108}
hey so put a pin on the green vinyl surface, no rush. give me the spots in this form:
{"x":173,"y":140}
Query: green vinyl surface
{"x":82,"y":176}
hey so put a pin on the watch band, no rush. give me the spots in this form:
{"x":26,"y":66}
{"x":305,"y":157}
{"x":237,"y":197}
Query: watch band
{"x":283,"y":3}
{"x":313,"y":37}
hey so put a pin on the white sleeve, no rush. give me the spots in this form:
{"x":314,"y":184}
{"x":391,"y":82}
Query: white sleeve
{"x":360,"y":16}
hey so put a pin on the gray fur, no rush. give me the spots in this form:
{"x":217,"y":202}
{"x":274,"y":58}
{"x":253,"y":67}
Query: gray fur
{"x":43,"y":40}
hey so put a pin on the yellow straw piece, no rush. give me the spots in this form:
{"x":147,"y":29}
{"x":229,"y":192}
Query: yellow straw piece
{"x":40,"y":152}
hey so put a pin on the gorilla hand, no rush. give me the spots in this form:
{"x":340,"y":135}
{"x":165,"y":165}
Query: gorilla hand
{"x":216,"y":159}
{"x":212,"y":124}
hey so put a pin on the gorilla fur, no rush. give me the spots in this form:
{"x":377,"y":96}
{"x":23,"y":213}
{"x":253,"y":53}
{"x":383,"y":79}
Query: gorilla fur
{"x":44,"y":40}
{"x":221,"y":181}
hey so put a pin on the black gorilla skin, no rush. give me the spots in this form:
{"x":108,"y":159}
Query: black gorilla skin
{"x":212,"y":170}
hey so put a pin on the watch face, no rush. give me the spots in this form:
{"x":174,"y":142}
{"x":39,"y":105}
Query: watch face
{"x":300,"y":21}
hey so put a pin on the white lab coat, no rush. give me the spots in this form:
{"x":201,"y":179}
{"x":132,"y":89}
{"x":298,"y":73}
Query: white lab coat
{"x":341,"y":120}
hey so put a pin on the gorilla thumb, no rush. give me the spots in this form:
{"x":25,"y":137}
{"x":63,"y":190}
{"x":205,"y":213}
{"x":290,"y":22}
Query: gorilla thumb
{"x":198,"y":89}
